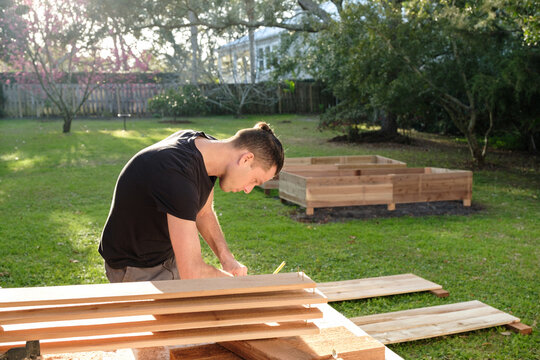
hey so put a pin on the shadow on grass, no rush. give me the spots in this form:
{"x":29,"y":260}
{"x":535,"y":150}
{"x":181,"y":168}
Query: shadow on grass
{"x":366,"y":212}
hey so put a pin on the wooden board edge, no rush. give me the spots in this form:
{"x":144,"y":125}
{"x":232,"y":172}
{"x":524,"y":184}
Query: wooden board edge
{"x":520,"y":328}
{"x":441,"y":293}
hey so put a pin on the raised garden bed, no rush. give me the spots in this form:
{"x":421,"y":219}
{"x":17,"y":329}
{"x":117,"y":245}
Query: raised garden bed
{"x":330,"y":163}
{"x":350,"y":187}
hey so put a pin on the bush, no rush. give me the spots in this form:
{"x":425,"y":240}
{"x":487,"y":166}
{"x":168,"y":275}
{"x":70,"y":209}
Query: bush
{"x":343,"y":117}
{"x":185,"y":101}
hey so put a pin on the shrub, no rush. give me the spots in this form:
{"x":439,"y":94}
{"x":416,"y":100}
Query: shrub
{"x":184,"y":101}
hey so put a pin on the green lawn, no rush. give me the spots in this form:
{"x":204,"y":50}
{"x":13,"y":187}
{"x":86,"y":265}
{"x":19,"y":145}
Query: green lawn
{"x":55,"y":192}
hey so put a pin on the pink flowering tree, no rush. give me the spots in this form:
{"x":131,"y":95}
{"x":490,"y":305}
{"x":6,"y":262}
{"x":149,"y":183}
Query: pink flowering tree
{"x":59,"y":45}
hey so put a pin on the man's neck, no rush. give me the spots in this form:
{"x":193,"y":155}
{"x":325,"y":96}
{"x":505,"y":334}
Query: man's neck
{"x":216,"y":154}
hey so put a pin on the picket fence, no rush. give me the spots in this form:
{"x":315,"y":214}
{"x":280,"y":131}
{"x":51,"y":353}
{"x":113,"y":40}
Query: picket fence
{"x":29,"y":100}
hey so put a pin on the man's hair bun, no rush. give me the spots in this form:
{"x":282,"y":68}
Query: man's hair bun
{"x":263,"y":126}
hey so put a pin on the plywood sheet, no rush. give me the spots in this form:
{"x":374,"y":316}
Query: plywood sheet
{"x":376,"y":286}
{"x":433,"y":321}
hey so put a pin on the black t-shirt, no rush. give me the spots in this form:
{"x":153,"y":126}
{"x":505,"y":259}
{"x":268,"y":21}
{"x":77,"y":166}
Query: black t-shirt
{"x":167,"y":177}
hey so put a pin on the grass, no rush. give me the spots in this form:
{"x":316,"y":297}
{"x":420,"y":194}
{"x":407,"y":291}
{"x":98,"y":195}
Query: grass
{"x":55,"y":193}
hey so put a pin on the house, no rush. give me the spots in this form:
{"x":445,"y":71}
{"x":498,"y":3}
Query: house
{"x":233,"y":57}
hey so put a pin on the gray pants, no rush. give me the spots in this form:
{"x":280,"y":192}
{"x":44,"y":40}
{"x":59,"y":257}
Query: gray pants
{"x":165,"y":271}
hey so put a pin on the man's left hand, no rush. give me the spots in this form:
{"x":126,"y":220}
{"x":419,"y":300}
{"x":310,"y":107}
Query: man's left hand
{"x":234,"y":267}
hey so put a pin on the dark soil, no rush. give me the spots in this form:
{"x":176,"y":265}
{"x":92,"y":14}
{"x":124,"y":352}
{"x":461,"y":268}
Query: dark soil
{"x":338,"y":214}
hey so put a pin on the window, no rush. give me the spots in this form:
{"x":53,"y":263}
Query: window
{"x":267,"y":56}
{"x":260,"y":58}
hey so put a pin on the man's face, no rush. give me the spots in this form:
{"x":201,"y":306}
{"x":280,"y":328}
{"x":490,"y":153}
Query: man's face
{"x":244,"y":175}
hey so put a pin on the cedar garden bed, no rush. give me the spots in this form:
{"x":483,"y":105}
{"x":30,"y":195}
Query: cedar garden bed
{"x":351,"y":187}
{"x":332,"y":163}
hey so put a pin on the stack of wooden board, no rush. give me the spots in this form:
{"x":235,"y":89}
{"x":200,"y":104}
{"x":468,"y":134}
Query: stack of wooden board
{"x":313,"y":188}
{"x":333,"y":163}
{"x":126,"y":315}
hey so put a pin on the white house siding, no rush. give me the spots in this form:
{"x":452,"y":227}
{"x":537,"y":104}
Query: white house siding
{"x":233,"y":58}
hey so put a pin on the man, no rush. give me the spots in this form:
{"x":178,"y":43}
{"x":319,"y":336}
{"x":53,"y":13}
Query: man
{"x":164,"y":198}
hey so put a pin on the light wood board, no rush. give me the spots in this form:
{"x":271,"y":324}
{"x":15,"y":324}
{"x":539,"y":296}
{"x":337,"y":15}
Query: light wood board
{"x":337,"y":333}
{"x":432,"y":321}
{"x":203,"y":352}
{"x":142,"y":290}
{"x":178,"y":337}
{"x":159,"y":307}
{"x":137,"y":324}
{"x":376,"y":286}
{"x":310,"y":347}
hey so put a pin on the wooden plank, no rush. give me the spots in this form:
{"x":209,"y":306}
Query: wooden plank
{"x":435,"y":330}
{"x":520,"y":328}
{"x":376,"y":286}
{"x":337,"y":332}
{"x":408,"y":314}
{"x":178,"y":337}
{"x":142,"y":290}
{"x":369,"y":166}
{"x":160,"y":307}
{"x":440,"y":293}
{"x":123,"y":325}
{"x":337,"y":165}
{"x":310,"y":347}
{"x":421,"y":320}
{"x":431,"y":322}
{"x":203,"y":352}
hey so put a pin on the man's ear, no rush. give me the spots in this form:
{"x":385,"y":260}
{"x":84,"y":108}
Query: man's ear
{"x":246,"y":158}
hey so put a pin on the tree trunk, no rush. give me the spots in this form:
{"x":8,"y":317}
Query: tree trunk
{"x":67,"y":123}
{"x":531,"y":144}
{"x":250,"y":9}
{"x":389,"y":125}
{"x":474,"y":147}
{"x":194,"y":51}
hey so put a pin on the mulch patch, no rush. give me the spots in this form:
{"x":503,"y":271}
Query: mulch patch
{"x":345,"y":213}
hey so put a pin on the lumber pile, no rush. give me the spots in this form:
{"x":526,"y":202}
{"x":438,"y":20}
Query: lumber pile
{"x":160,"y":313}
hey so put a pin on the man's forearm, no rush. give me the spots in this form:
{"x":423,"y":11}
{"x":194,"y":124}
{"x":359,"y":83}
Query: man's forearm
{"x":209,"y":227}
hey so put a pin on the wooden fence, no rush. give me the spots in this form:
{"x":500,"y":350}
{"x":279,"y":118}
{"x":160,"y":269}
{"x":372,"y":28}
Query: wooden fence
{"x":24,"y":100}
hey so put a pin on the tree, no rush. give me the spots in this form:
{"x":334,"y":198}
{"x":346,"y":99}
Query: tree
{"x":57,"y":44}
{"x":177,"y":23}
{"x":470,"y":47}
{"x":396,"y":58}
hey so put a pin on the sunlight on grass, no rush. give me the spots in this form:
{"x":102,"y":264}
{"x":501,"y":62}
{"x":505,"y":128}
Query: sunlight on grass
{"x":129,"y":134}
{"x":18,"y":162}
{"x":11,"y":157}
